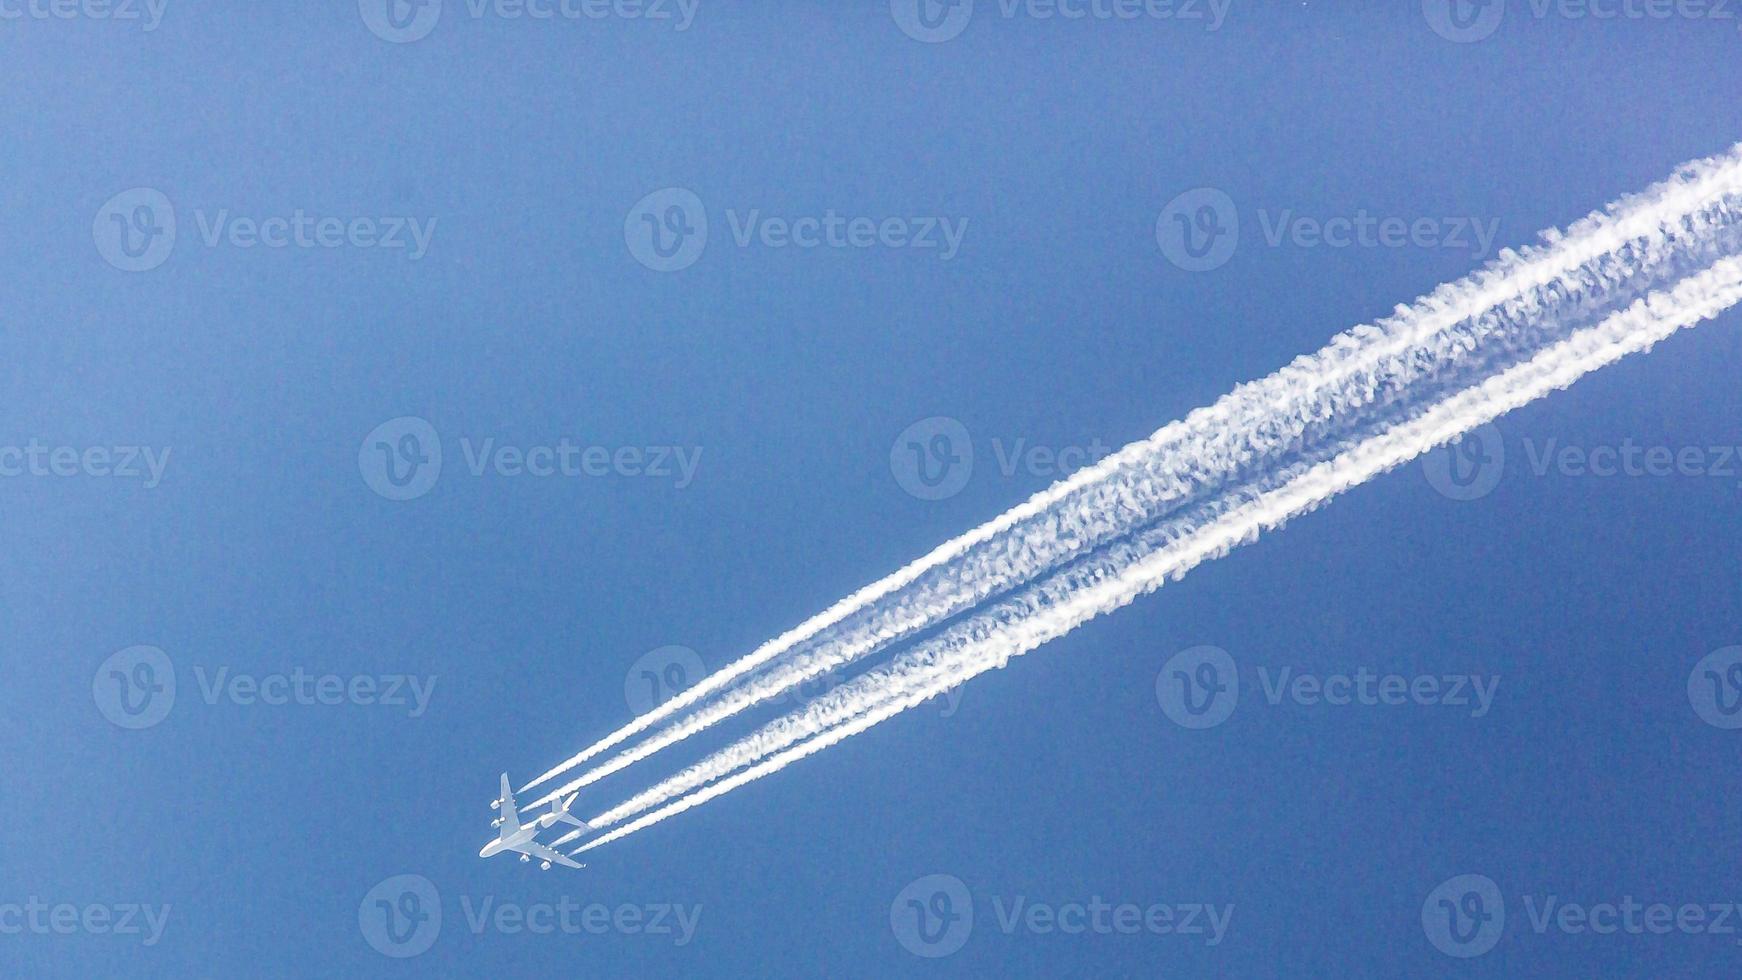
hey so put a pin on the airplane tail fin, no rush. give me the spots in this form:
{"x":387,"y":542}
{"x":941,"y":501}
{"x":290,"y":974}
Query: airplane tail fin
{"x":559,"y":813}
{"x":560,"y":810}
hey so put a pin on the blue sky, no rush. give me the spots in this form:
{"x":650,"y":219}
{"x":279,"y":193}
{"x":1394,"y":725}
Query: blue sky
{"x":460,"y":224}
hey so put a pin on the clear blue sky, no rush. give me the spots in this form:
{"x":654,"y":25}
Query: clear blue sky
{"x":527,"y":316}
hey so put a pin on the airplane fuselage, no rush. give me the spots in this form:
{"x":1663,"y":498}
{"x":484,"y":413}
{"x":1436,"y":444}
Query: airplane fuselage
{"x":522,"y":836}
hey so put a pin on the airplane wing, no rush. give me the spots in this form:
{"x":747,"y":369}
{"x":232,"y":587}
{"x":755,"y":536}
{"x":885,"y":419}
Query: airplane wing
{"x":510,"y":817}
{"x":543,"y":853}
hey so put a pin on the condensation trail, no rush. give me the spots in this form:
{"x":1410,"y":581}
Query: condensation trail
{"x":1504,"y":279}
{"x":1606,"y":258}
{"x":1107,"y":582}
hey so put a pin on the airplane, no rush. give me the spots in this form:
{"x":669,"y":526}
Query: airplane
{"x":512,"y":835}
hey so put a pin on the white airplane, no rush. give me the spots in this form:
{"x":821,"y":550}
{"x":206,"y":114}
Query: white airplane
{"x":512,"y":835}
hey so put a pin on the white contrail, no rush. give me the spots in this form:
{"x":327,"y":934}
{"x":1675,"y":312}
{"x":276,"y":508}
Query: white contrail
{"x":1253,"y":430}
{"x":1108,"y":582}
